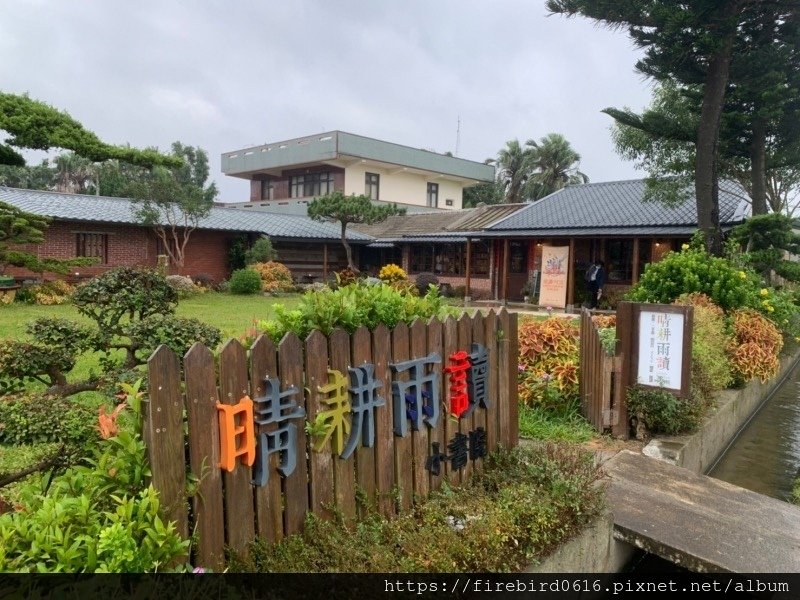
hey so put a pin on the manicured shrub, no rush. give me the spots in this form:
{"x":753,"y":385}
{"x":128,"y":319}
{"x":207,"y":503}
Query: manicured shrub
{"x":103,"y":517}
{"x":352,"y":306}
{"x":275,"y":277}
{"x":176,"y":332}
{"x":425,"y":280}
{"x":183,"y":286}
{"x":711,"y":369}
{"x":34,"y":419}
{"x":261,"y":252}
{"x":694,"y":270}
{"x":604,"y":321}
{"x":345,"y":277}
{"x":205,"y":281}
{"x":22,"y":362}
{"x":244,"y":282}
{"x":662,"y":412}
{"x":548,"y":357}
{"x":391,"y":273}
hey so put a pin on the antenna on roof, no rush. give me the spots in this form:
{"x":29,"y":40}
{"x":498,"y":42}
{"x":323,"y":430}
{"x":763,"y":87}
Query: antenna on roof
{"x":458,"y":134}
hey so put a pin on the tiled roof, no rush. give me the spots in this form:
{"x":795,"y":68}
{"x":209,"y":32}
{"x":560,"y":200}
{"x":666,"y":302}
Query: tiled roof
{"x":581,"y":209}
{"x":103,"y":209}
{"x":447,"y":223}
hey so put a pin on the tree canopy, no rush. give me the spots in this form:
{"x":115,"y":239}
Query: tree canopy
{"x":354,"y":208}
{"x":31,"y":124}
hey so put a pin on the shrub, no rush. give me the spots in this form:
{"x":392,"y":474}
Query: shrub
{"x":548,"y":356}
{"x":694,"y":270}
{"x":604,"y":321}
{"x":205,"y":281}
{"x":425,"y":280}
{"x":22,"y":362}
{"x":391,"y":273}
{"x":261,"y":252}
{"x":244,"y":281}
{"x":275,"y":277}
{"x":755,"y":346}
{"x":61,"y":332}
{"x":345,"y":277}
{"x":522,"y":505}
{"x":124,"y":294}
{"x":52,"y":293}
{"x":608,"y":339}
{"x":184,"y":286}
{"x":711,"y":369}
{"x":102,"y":517}
{"x":176,"y":332}
{"x":34,"y":419}
{"x":662,"y":412}
{"x":352,"y":306}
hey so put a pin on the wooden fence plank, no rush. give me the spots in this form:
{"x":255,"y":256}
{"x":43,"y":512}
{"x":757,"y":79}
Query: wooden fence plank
{"x":490,"y":337}
{"x":295,"y":485}
{"x":479,"y":414}
{"x":361,"y":348}
{"x":466,"y":424}
{"x":239,"y":511}
{"x":505,"y":382}
{"x":344,"y":474}
{"x":513,"y":388}
{"x":451,"y":423}
{"x":204,"y":455}
{"x":437,"y":434}
{"x":320,"y":472}
{"x":164,"y":427}
{"x":403,"y":463}
{"x":419,"y":439}
{"x":384,"y":436}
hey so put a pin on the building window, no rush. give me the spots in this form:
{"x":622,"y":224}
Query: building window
{"x":433,"y":195}
{"x":311,"y":184}
{"x":518,"y":257}
{"x":449,"y":259}
{"x":267,"y":190}
{"x":449,"y":202}
{"x":372,"y":183}
{"x":92,"y":245}
{"x":619,"y":257}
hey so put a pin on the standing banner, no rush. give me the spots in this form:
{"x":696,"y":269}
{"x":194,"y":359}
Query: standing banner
{"x":555,"y":266}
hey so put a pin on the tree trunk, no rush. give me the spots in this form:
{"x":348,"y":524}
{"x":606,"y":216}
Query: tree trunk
{"x":69,"y":389}
{"x":758,"y":166}
{"x":348,"y":251}
{"x":705,"y":178}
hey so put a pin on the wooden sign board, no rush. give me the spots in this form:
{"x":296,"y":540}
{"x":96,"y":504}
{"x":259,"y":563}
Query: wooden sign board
{"x":555,"y":268}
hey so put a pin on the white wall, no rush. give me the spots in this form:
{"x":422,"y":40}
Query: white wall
{"x":403,"y":188}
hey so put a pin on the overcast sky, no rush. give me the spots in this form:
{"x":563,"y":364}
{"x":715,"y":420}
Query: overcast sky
{"x":223,"y":75}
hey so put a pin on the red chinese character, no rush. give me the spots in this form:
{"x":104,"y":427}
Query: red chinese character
{"x":459,"y":365}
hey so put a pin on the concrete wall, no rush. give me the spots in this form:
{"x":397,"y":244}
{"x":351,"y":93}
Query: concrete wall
{"x":698,"y":451}
{"x":403,"y":187}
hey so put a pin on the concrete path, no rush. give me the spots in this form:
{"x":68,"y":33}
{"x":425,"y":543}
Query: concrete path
{"x":700,"y":523}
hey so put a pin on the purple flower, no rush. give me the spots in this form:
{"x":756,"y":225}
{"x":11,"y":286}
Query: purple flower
{"x":547,"y":377}
{"x":199,"y":570}
{"x":521,"y":367}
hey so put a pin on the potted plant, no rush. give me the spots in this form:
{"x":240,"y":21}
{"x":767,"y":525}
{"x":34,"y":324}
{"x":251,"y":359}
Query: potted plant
{"x":8,"y":289}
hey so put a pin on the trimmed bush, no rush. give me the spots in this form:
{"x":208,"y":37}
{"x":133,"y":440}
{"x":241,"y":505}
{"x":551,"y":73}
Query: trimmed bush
{"x":755,"y":347}
{"x":275,"y":277}
{"x":391,"y":273}
{"x":183,"y":286}
{"x":34,"y":419}
{"x":261,"y":252}
{"x":176,"y":332}
{"x":352,"y":306}
{"x":244,"y":282}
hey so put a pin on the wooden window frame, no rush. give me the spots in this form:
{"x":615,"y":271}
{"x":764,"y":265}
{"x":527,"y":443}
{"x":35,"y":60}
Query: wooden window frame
{"x":432,"y":197}
{"x":92,"y":244}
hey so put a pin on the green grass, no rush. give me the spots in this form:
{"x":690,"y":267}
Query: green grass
{"x":567,"y":425}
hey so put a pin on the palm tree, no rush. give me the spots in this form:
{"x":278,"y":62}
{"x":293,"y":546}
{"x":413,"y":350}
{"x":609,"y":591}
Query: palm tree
{"x":513,"y":162}
{"x":553,"y":164}
{"x":74,"y":173}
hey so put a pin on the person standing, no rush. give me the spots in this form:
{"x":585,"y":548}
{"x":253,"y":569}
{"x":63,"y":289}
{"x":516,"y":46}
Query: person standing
{"x":595,"y":279}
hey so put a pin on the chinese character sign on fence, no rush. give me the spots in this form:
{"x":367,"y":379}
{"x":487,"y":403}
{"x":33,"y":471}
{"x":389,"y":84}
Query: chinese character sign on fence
{"x":661,"y":349}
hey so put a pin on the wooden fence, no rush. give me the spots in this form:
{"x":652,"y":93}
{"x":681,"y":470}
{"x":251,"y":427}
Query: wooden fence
{"x":226,"y":508}
{"x":600,"y":383}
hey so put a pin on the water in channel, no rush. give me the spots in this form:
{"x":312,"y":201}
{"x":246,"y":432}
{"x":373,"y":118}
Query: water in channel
{"x":765,"y":457}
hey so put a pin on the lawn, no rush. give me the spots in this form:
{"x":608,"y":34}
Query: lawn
{"x":232,"y":314}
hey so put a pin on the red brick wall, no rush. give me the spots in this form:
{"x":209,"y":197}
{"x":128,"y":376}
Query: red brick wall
{"x":131,"y":246}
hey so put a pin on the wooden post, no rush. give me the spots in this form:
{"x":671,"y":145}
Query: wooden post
{"x":504,"y":283}
{"x":325,"y":263}
{"x":635,"y":266}
{"x":571,"y":273}
{"x":624,"y":350}
{"x":467,"y":295}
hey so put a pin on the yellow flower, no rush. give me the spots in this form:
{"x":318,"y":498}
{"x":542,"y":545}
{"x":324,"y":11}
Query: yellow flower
{"x":685,"y":247}
{"x":771,"y":309}
{"x":764,"y":292}
{"x":765,"y":302}
{"x":742,"y":275}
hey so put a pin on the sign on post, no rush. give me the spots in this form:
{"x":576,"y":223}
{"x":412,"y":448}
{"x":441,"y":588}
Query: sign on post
{"x":555,"y":267}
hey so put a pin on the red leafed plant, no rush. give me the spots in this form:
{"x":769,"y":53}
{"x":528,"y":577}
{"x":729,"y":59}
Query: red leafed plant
{"x":548,"y":361}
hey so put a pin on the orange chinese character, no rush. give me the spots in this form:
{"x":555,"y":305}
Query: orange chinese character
{"x":236,"y":436}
